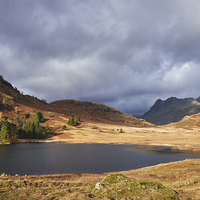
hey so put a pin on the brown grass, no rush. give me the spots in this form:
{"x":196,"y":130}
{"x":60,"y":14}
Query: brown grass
{"x":179,"y":138}
{"x":183,"y":177}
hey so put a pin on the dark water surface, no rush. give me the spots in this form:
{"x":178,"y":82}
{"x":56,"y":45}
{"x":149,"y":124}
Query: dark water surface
{"x":52,"y":158}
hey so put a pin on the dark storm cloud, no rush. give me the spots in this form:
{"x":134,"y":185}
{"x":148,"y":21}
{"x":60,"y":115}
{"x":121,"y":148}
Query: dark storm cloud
{"x":126,"y":54}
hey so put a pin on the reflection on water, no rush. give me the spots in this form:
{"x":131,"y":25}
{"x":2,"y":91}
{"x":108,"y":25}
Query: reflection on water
{"x":52,"y":158}
{"x":159,"y":150}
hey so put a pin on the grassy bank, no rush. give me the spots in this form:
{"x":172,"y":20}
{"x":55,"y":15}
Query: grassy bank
{"x":176,"y":180}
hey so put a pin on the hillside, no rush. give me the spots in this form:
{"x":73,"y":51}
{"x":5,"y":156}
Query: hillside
{"x":188,"y":122}
{"x":172,"y":110}
{"x":13,"y":102}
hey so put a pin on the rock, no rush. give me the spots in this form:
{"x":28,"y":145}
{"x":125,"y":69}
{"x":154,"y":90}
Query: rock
{"x":2,"y":175}
{"x":157,"y":187}
{"x":91,"y":196}
{"x":51,"y":114}
{"x":98,"y":186}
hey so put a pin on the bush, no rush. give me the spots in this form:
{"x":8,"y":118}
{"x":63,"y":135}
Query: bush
{"x":27,"y":115}
{"x":121,"y":131}
{"x":64,"y":127}
{"x":47,"y":128}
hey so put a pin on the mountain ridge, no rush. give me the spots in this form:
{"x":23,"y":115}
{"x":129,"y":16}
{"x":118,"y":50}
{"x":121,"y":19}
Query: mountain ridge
{"x":171,"y":110}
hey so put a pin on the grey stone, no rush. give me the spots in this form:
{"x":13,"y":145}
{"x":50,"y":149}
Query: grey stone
{"x":98,"y":186}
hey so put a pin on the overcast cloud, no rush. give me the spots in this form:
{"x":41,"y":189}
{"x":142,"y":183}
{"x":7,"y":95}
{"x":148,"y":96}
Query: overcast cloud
{"x":125,"y":54}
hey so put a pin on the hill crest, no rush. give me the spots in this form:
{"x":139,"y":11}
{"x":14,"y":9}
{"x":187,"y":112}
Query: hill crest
{"x":14,"y":102}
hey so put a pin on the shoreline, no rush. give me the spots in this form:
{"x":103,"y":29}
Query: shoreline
{"x":65,"y":141}
{"x":182,"y":177}
{"x":176,"y":138}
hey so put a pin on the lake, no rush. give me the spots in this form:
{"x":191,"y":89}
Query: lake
{"x":53,"y":158}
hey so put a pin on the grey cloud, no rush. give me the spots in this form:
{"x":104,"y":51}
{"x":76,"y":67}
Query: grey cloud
{"x":126,"y":54}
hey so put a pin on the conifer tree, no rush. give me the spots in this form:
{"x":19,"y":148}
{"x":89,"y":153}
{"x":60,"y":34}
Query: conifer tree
{"x":4,"y":133}
{"x":47,"y":128}
{"x":39,"y":117}
{"x":72,"y":121}
{"x":30,"y":130}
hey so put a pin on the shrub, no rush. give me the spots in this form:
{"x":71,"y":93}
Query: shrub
{"x":64,"y":127}
{"x":121,"y":131}
{"x":47,"y":128}
{"x":27,"y":115}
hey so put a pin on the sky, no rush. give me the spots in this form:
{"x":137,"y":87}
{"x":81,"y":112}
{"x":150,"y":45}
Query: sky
{"x":122,"y":53}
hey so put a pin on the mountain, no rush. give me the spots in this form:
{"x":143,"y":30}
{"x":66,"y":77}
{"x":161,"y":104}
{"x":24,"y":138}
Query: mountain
{"x":13,"y":102}
{"x":172,"y":110}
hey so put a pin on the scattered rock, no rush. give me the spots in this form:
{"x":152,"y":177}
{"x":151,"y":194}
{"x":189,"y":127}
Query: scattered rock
{"x":91,"y":196}
{"x":51,"y":114}
{"x":99,"y":186}
{"x":186,"y":120}
{"x":3,"y":174}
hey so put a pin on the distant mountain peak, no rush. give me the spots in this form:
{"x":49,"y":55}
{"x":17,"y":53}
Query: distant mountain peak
{"x":171,"y":110}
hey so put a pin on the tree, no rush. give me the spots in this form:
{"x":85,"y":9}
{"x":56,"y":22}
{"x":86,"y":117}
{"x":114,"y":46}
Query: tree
{"x":38,"y":130}
{"x":4,"y":134}
{"x":30,"y":130}
{"x":44,"y":136}
{"x":47,"y":128}
{"x":4,"y":123}
{"x":72,"y":121}
{"x":39,"y":117}
{"x":21,"y":133}
{"x":20,"y":122}
{"x":78,"y":119}
{"x":69,"y":121}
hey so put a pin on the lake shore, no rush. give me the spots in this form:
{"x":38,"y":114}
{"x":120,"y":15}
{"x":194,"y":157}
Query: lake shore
{"x":182,"y":177}
{"x":177,"y":138}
